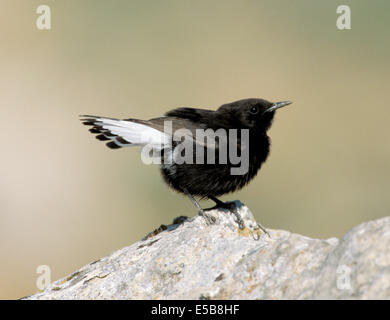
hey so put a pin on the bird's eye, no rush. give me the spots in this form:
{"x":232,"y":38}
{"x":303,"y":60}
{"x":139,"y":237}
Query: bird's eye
{"x":254,"y":110}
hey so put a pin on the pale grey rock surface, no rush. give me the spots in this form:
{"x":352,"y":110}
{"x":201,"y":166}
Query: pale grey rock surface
{"x":193,"y":260}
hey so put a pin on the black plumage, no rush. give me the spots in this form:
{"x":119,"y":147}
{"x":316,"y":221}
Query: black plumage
{"x":193,"y":179}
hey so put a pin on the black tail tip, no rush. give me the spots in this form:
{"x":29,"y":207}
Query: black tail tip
{"x":112,"y":145}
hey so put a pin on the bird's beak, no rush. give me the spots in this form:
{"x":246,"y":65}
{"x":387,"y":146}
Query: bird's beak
{"x":278,"y":105}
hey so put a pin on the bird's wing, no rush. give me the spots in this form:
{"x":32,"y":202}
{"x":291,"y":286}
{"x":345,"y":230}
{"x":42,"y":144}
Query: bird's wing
{"x":212,"y":135}
{"x":193,"y":131}
{"x":191,"y":114}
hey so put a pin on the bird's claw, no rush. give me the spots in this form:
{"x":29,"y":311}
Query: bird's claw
{"x":208,"y":218}
{"x":259,"y":226}
{"x":240,"y":222}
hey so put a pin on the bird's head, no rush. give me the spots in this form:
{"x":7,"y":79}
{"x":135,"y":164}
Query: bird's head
{"x":252,"y":113}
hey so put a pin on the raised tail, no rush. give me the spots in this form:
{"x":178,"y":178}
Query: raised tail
{"x":123,"y":133}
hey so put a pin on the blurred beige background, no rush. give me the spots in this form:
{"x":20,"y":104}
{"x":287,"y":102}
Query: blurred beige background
{"x":66,"y":199}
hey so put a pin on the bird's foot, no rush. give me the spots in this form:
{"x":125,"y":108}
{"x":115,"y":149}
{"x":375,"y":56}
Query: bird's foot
{"x":240,"y":222}
{"x":231,"y":206}
{"x":259,"y":226}
{"x":208,"y":218}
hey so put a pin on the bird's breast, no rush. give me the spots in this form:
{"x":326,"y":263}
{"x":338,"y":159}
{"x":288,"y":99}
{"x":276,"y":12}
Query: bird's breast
{"x":203,"y":178}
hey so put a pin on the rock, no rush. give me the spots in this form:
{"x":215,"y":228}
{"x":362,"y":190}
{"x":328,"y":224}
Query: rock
{"x":193,"y":260}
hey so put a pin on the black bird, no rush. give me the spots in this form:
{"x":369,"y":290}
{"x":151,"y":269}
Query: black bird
{"x":204,"y":180}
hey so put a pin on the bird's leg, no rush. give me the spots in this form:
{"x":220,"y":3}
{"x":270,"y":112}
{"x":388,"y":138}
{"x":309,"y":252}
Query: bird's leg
{"x":209,"y":219}
{"x":231,"y":206}
{"x":220,"y":204}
